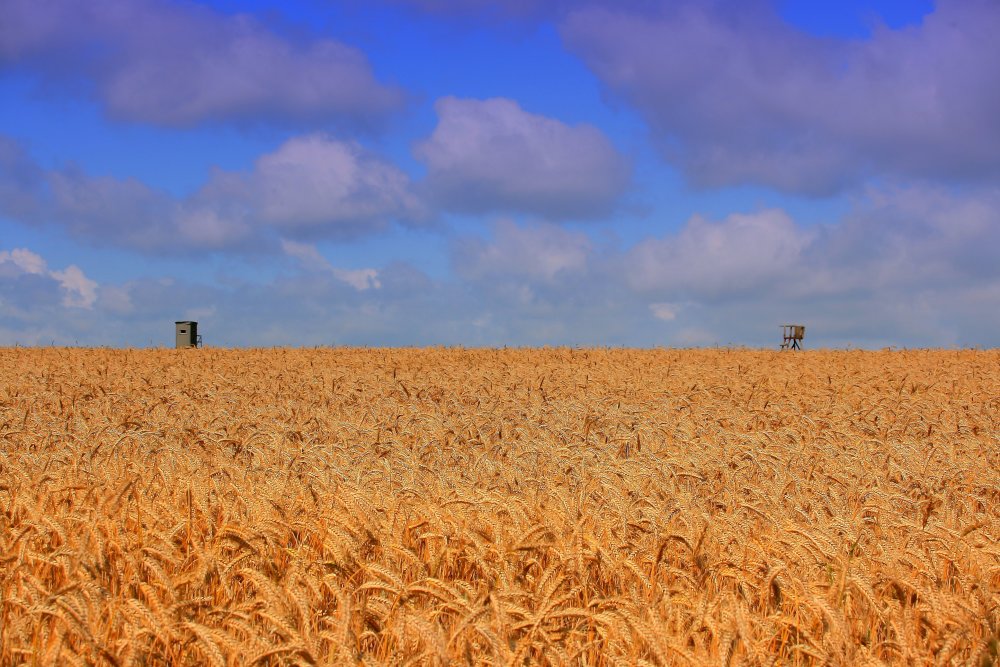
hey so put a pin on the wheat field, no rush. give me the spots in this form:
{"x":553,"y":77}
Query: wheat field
{"x":508,"y":507}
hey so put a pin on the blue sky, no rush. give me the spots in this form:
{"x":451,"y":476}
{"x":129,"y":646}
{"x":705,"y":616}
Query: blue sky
{"x":490,"y":172}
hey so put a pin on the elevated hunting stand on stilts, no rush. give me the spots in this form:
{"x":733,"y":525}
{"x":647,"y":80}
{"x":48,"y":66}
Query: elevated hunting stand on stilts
{"x":792,"y":335}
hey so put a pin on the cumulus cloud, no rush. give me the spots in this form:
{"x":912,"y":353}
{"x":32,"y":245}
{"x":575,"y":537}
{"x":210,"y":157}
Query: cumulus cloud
{"x":311,"y":260}
{"x":316,"y":184}
{"x":911,"y":238}
{"x":310,"y":186}
{"x":78,"y":291}
{"x":180,"y":64}
{"x":744,"y":253}
{"x":538,"y":283}
{"x":904,"y":240}
{"x":491,"y":155}
{"x":734,"y":95}
{"x":539,"y":252}
{"x":23,"y":260}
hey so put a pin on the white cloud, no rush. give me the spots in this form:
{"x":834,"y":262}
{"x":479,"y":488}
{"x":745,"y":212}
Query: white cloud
{"x":666,"y":312}
{"x":204,"y":226}
{"x":24,"y":260}
{"x":541,"y":252}
{"x":316,"y":184}
{"x":311,"y":260}
{"x":742,"y":253}
{"x":736,"y":95}
{"x":491,"y":155}
{"x":307,"y":255}
{"x":78,"y":290}
{"x":179,"y":64}
{"x":359,"y":279}
{"x":310,"y":186}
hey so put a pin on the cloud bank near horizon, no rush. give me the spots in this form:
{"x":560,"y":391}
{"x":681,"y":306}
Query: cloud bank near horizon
{"x":913,"y":260}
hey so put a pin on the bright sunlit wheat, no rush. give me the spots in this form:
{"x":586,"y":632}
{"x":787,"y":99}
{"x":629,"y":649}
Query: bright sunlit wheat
{"x":499,"y":507}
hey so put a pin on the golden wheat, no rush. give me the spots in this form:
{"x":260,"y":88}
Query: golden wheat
{"x":550,"y":506}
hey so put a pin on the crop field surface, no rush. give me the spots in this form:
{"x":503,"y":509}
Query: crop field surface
{"x":507,"y":507}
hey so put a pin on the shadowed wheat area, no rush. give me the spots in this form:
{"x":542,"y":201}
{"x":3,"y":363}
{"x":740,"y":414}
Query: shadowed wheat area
{"x":434,"y":506}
